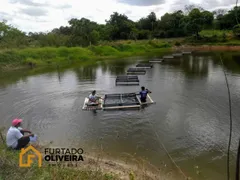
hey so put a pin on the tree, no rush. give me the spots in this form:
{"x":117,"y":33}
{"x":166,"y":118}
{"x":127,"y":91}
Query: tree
{"x":207,"y":19}
{"x":94,"y":37}
{"x":80,"y":31}
{"x":236,"y":30}
{"x":120,"y":26}
{"x":196,"y":21}
{"x":11,"y":37}
{"x":189,"y":8}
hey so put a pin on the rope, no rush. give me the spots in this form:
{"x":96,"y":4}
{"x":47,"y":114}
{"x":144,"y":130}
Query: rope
{"x":237,"y":164}
{"x":180,"y":170}
{"x":230,"y":115}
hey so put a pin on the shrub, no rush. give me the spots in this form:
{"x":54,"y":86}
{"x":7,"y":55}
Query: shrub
{"x":236,"y":31}
{"x":177,"y":43}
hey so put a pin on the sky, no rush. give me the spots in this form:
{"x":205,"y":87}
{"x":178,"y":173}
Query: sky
{"x":45,"y":15}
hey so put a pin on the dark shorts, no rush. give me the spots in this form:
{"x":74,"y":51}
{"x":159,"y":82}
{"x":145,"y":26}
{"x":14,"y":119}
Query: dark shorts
{"x":22,"y":142}
{"x":143,"y":100}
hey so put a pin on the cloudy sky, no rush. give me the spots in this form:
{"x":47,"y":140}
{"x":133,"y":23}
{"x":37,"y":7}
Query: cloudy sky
{"x":44,"y":15}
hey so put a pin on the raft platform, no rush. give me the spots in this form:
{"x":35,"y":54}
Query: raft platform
{"x":156,"y":60}
{"x":119,"y":102}
{"x":140,"y":71}
{"x":177,"y":54}
{"x":186,"y":52}
{"x":144,"y":66}
{"x":127,"y":80}
{"x":168,"y":57}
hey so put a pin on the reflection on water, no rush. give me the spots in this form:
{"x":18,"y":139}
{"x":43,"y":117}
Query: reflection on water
{"x":196,"y":66}
{"x":86,"y":73}
{"x":190,"y":116}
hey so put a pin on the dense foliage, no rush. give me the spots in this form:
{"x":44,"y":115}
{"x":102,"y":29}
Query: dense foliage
{"x":83,"y":32}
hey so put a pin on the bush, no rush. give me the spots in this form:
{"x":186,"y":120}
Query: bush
{"x":236,"y":31}
{"x":177,"y":43}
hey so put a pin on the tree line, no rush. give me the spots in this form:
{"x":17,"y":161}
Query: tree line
{"x":84,"y":32}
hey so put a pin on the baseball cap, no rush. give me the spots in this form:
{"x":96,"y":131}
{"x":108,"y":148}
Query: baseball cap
{"x":16,"y":121}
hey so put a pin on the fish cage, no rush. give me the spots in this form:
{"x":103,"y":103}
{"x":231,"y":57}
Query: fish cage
{"x":186,"y":52}
{"x":144,"y":66}
{"x":177,"y":54}
{"x":118,"y":102}
{"x":156,"y":60}
{"x":140,"y":71}
{"x":168,"y":57}
{"x":127,"y":80}
{"x":121,"y":101}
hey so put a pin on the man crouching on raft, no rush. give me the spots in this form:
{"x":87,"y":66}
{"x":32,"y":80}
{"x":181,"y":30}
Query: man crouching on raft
{"x":93,"y":99}
{"x":143,"y":94}
{"x":15,"y":136}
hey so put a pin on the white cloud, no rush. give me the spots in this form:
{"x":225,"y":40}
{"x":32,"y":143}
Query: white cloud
{"x":43,"y":15}
{"x":33,"y":11}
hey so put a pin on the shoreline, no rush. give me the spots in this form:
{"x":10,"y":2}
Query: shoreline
{"x":65,"y":63}
{"x":208,"y":48}
{"x":94,"y":165}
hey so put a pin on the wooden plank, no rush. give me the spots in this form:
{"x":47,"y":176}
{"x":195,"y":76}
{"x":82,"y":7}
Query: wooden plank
{"x":177,"y":54}
{"x":149,"y":97}
{"x":144,"y":66}
{"x":138,"y":99}
{"x":186,"y":52}
{"x":89,"y":108}
{"x":122,"y":107}
{"x":136,"y":70}
{"x":127,"y":84}
{"x":155,"y":61}
{"x":138,"y":73}
{"x":168,"y":57}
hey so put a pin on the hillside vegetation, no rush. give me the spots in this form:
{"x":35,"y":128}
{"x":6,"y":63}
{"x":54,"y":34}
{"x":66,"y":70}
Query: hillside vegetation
{"x":194,"y":22}
{"x":63,"y":56}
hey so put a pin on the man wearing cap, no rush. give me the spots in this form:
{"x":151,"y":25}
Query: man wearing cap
{"x":15,"y":135}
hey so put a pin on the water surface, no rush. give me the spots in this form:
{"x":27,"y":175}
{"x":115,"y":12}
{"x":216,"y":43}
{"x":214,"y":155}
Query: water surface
{"x":190,"y":117}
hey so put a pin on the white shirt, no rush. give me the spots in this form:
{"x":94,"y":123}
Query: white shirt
{"x":13,"y":135}
{"x":92,"y":98}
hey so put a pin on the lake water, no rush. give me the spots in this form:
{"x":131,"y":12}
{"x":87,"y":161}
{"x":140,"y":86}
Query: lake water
{"x":190,"y":117}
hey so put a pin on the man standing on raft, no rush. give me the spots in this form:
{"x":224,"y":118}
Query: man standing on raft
{"x":143,"y":94}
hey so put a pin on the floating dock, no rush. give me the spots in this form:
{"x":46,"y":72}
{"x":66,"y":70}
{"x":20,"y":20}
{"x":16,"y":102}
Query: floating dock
{"x":177,"y":54}
{"x":156,"y":60}
{"x":139,"y":71}
{"x":186,"y":52}
{"x":168,"y":57}
{"x":144,"y":66}
{"x":118,"y":101}
{"x":127,"y":80}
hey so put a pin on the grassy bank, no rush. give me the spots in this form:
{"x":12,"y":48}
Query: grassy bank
{"x":11,"y":59}
{"x":213,"y":38}
{"x":63,"y":56}
{"x":10,"y":170}
{"x":94,"y":167}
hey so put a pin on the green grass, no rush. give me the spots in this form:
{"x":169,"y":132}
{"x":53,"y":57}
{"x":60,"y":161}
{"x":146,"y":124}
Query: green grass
{"x":10,"y":170}
{"x":209,"y":33}
{"x":214,"y":37}
{"x":63,"y":56}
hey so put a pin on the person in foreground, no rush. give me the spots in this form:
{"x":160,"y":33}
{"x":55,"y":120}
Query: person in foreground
{"x":93,"y":99}
{"x":143,"y":94}
{"x":15,"y":136}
